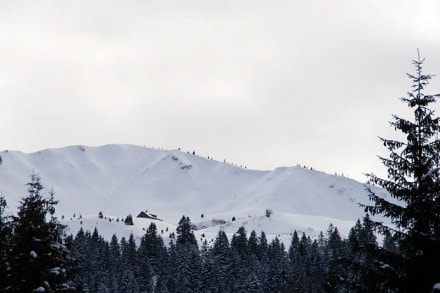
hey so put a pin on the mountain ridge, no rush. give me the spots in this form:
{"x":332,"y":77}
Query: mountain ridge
{"x":118,"y":180}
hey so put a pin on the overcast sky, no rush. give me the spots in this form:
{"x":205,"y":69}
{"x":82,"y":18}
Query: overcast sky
{"x":258,"y":83}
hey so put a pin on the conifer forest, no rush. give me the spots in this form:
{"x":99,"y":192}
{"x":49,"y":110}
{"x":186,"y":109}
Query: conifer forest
{"x":36,"y":255}
{"x":246,"y":263}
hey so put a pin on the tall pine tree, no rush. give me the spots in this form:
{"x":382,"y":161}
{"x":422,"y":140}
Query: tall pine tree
{"x":413,"y":182}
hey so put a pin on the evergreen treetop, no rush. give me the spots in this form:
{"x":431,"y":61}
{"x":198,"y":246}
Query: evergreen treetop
{"x":413,"y":183}
{"x":185,"y":235}
{"x":39,"y":258}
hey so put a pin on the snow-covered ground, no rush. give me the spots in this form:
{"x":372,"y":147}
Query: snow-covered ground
{"x":119,"y":180}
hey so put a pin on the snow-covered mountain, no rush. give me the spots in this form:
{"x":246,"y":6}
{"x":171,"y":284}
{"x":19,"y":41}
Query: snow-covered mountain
{"x":119,"y":180}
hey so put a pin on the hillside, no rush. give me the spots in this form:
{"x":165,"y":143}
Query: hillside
{"x":124,"y":179}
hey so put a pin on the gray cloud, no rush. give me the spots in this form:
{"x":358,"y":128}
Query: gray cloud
{"x":260,"y":83}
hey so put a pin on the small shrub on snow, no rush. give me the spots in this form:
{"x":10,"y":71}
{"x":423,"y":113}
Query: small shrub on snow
{"x":268,"y":213}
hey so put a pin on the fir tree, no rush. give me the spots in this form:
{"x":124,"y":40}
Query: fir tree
{"x":296,"y":269}
{"x":335,"y":244}
{"x":79,"y":254}
{"x":262,"y":246}
{"x":357,"y":267}
{"x":413,"y":181}
{"x":98,"y":259}
{"x":253,"y":243}
{"x":239,"y":242}
{"x":144,"y":271}
{"x":221,"y":262}
{"x":189,"y":269}
{"x":39,"y":257}
{"x":337,"y":262}
{"x":210,"y":276}
{"x":114,"y":262}
{"x":315,"y":262}
{"x":276,"y":263}
{"x":185,"y":258}
{"x":185,"y":235}
{"x":128,"y":254}
{"x":5,"y":241}
{"x":153,"y":249}
{"x":355,"y":237}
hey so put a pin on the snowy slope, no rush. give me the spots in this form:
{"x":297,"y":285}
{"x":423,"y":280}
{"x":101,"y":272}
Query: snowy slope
{"x":125,"y":179}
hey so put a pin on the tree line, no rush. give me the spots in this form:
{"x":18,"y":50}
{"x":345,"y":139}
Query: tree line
{"x":245,"y":263}
{"x":35,"y":257}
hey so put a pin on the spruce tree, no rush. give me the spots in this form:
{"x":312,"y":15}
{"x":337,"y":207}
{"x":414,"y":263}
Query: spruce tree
{"x":239,"y":243}
{"x":262,"y":246}
{"x":188,"y":261}
{"x":152,"y":249}
{"x":114,"y":261}
{"x":210,"y":276}
{"x":253,"y":243}
{"x":79,"y":254}
{"x":189,"y":269}
{"x":356,"y":269}
{"x":128,"y":254}
{"x":276,"y":264}
{"x":296,"y":270}
{"x":5,"y":239}
{"x":39,"y":258}
{"x":413,"y":183}
{"x":221,"y":262}
{"x":185,"y":235}
{"x":97,"y":256}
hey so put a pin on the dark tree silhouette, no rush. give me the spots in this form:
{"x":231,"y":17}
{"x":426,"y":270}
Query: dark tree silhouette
{"x":39,"y":258}
{"x":413,"y":183}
